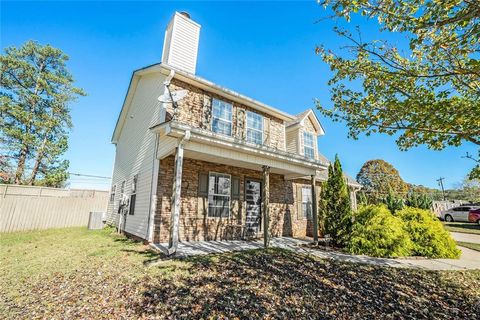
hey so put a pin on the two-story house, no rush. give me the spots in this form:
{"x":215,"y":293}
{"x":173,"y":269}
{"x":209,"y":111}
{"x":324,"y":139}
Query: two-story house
{"x":197,"y":161}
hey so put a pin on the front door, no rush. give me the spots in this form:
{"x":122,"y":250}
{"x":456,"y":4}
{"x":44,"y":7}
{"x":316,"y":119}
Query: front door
{"x":253,"y":197}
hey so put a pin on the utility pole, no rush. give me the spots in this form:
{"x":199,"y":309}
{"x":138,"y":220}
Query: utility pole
{"x":440,"y":181}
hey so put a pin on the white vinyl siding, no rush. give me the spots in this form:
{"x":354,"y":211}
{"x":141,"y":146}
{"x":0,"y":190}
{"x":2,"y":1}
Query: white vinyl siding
{"x":308,"y":145}
{"x":221,"y":117}
{"x":254,"y":128}
{"x":219,"y":193}
{"x":180,"y":46}
{"x":135,"y":153}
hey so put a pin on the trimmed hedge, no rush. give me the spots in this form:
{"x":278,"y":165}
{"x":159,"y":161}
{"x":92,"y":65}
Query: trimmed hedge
{"x":429,"y":237}
{"x":376,"y":232}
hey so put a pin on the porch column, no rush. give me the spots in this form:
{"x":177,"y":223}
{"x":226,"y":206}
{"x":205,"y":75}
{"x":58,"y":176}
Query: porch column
{"x":353,"y":198}
{"x":314,"y":209}
{"x":176,"y":198}
{"x":265,"y":205}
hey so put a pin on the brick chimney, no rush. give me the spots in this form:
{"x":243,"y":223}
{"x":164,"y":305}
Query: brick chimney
{"x":180,"y":46}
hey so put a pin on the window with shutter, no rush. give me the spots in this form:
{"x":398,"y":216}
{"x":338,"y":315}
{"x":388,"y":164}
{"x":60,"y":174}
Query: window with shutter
{"x":219,"y":194}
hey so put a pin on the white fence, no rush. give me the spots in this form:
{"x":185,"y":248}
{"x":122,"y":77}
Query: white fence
{"x":33,"y":208}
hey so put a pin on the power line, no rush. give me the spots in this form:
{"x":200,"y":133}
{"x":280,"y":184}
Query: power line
{"x":88,"y":175}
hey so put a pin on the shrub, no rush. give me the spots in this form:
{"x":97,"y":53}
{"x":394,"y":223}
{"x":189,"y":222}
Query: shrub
{"x":392,"y":202}
{"x":421,"y":201}
{"x":334,"y":205}
{"x":428,"y":236}
{"x":376,"y":232}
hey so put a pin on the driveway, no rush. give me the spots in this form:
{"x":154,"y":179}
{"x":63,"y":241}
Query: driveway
{"x":466,"y":237}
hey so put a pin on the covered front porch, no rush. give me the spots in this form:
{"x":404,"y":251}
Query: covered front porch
{"x":195,"y":248}
{"x":261,"y":185}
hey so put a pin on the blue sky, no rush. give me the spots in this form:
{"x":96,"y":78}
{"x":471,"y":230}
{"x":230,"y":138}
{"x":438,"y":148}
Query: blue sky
{"x":264,"y":50}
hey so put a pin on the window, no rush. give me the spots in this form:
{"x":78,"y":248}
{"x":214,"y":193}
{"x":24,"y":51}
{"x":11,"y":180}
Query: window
{"x":254,"y":128}
{"x":222,"y":117}
{"x":133,"y":196}
{"x":308,"y":146}
{"x":112,"y":193}
{"x":122,"y":188}
{"x":306,"y":203}
{"x":461,"y":209}
{"x":219,"y":191}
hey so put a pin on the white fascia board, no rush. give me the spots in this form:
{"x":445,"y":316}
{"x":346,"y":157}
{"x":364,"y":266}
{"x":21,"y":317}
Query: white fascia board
{"x":132,"y":87}
{"x":208,"y":137}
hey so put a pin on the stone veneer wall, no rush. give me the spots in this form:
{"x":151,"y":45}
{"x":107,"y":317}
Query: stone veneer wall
{"x":194,"y":223}
{"x":191,"y":112}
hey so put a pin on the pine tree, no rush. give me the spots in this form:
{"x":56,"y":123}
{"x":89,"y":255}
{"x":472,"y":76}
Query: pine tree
{"x":35,"y":95}
{"x":335,"y":205}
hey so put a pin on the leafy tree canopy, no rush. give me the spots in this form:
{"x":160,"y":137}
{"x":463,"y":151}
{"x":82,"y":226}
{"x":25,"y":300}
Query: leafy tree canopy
{"x":379,"y":178}
{"x":427,"y":94}
{"x":35,"y":95}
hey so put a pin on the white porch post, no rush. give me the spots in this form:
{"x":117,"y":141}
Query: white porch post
{"x":314,"y":210}
{"x":176,"y":198}
{"x":265,"y":205}
{"x":353,"y":198}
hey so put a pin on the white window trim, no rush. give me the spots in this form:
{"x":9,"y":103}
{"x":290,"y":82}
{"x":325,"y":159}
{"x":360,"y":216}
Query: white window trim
{"x":221,"y":195}
{"x":254,"y":129}
{"x":309,"y":147}
{"x":304,"y":214}
{"x":226,"y":120}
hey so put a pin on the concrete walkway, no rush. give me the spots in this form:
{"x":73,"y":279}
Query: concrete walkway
{"x":466,"y":237}
{"x":470,"y":259}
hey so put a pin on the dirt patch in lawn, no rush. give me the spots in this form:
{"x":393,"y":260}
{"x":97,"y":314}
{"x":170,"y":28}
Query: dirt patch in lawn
{"x":115,"y":283}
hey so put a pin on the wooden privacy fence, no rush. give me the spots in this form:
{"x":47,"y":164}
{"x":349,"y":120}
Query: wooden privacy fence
{"x":33,"y":208}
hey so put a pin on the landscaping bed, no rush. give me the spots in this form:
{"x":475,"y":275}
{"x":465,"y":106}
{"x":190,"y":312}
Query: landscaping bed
{"x":75,"y":273}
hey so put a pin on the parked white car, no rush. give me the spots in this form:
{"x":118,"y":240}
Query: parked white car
{"x":459,"y":214}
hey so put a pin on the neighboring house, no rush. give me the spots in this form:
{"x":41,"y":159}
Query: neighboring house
{"x":203,"y":169}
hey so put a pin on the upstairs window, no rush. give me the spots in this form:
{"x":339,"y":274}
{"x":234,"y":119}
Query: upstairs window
{"x":221,"y":117}
{"x":308,"y":146}
{"x":254,"y":128}
{"x":219,"y":192}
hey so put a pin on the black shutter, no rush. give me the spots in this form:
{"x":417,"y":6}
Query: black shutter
{"x":203,"y":184}
{"x":235,"y":188}
{"x":133,"y":197}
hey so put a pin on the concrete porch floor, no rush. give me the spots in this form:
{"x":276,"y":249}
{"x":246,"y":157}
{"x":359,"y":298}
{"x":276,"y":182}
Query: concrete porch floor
{"x":470,"y":259}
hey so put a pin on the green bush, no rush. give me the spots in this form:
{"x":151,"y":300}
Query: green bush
{"x":376,"y":232}
{"x":429,"y":237}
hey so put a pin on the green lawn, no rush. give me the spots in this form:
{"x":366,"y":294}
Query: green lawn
{"x":473,"y":246}
{"x":462,"y":227}
{"x":75,"y":273}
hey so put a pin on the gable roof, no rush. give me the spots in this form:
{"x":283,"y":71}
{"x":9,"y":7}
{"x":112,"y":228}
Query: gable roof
{"x":310,"y":115}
